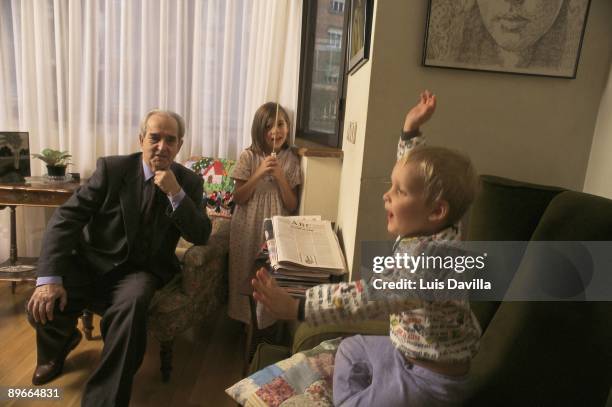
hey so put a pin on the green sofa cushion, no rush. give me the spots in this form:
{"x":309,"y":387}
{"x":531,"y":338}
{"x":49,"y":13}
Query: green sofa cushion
{"x":576,"y":216}
{"x":508,"y":210}
{"x":557,"y":353}
{"x":308,"y":336}
{"x":505,"y":210}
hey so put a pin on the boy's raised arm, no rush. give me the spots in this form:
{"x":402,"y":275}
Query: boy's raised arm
{"x":415,"y":118}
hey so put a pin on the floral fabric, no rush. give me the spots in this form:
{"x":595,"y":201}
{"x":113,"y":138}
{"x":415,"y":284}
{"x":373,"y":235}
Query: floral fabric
{"x":304,"y":379}
{"x":198,"y":291}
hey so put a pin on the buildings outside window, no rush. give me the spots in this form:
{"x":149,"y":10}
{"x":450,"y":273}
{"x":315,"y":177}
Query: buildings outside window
{"x":321,"y":75}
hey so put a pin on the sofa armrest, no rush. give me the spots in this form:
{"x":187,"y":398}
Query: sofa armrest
{"x":201,"y":262}
{"x":308,"y":336}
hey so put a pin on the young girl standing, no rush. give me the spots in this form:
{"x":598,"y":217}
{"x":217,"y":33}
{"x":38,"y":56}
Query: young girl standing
{"x":267,"y":175}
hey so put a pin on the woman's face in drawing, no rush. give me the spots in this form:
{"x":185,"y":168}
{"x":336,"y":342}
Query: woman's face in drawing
{"x":517,"y":24}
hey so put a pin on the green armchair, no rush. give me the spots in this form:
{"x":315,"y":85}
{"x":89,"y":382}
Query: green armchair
{"x":555,"y":353}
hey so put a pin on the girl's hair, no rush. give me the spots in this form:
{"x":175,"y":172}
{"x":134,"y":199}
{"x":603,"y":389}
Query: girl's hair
{"x":263,"y":121}
{"x":445,"y":174}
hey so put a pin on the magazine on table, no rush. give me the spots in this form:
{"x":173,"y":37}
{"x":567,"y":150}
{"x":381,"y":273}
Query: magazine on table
{"x":305,"y":243}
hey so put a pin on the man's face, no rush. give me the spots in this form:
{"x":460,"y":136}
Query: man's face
{"x":517,"y":24}
{"x":160,"y":144}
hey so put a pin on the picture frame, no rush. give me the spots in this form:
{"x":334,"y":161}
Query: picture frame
{"x":359,"y":34}
{"x":533,"y":37}
{"x":14,"y":156}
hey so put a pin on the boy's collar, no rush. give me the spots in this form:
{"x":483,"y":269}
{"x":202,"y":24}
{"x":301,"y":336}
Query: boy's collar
{"x":448,"y":233}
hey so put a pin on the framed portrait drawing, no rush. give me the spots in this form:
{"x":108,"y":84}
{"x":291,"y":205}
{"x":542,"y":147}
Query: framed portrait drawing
{"x":533,"y":37}
{"x":14,"y":156}
{"x":360,"y":27}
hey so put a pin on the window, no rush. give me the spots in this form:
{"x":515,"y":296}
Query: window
{"x":335,"y":37}
{"x":336,"y":6}
{"x":332,"y":77}
{"x":321,"y":72}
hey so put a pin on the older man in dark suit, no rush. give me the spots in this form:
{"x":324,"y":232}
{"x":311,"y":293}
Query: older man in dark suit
{"x":109,"y":247}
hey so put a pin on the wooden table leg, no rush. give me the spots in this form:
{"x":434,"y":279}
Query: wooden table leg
{"x":165,"y":355}
{"x":13,"y":247}
{"x":87,"y":320}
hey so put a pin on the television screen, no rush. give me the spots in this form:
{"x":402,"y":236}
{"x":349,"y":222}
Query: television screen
{"x":14,"y":156}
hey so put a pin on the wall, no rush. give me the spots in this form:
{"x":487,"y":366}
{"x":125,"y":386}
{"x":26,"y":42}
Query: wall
{"x":529,"y":128}
{"x":599,"y":171}
{"x":358,"y":87}
{"x":320,"y":187}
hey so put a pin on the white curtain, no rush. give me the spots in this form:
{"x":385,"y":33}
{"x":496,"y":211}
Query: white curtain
{"x":78,"y":75}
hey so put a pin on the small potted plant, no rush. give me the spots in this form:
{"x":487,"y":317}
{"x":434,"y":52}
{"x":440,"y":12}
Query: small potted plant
{"x":56,"y":161}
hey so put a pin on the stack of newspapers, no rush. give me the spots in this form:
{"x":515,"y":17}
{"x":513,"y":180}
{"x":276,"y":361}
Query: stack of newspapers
{"x":304,"y":251}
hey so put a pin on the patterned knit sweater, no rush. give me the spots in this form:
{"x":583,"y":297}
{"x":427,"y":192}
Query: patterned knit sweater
{"x":444,"y":331}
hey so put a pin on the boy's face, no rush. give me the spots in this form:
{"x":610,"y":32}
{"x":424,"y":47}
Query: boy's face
{"x":408,"y":213}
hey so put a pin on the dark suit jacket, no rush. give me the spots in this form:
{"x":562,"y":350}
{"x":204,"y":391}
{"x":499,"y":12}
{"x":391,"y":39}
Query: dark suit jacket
{"x":99,"y":222}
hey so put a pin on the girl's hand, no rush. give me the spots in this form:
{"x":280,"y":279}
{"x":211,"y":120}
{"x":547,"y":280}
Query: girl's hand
{"x":421,"y":113}
{"x":276,"y":300}
{"x":277,"y":170}
{"x":266,"y":167}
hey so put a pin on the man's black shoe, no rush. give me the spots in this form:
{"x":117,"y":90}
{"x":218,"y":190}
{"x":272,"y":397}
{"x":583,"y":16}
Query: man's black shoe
{"x":49,"y":371}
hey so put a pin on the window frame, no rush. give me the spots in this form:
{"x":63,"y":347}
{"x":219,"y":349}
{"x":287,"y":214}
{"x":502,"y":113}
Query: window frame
{"x":307,"y":53}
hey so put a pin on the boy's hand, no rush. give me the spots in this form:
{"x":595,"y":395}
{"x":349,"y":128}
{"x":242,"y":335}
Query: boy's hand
{"x":419,"y":114}
{"x":276,"y":300}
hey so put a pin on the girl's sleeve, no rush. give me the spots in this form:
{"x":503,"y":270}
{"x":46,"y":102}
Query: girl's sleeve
{"x":409,"y":140}
{"x":294,"y":171}
{"x":242,"y":170}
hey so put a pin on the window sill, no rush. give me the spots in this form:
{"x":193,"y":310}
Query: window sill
{"x":306,"y":148}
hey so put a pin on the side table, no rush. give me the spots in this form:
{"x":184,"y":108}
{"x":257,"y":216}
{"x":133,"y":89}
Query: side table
{"x":13,"y":195}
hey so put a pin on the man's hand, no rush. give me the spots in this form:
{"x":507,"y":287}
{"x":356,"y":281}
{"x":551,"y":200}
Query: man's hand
{"x":276,"y":300}
{"x":166,"y":181}
{"x":42,"y":302}
{"x":421,"y":113}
